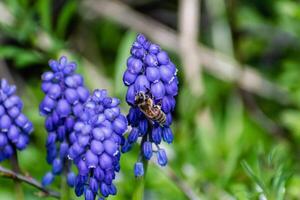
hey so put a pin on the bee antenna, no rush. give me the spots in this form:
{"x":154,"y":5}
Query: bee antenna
{"x":148,"y":92}
{"x":147,"y":89}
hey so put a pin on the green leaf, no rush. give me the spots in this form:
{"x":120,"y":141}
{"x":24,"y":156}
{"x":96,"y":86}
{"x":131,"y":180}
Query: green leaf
{"x":28,"y":58}
{"x":21,"y":57}
{"x":138,"y":193}
{"x":188,"y":113}
{"x":64,"y":18}
{"x":44,"y":9}
{"x":120,"y":65}
{"x":13,"y":5}
{"x":232,"y":134}
{"x":8,"y":51}
{"x":253,"y":176}
{"x":290,"y":119}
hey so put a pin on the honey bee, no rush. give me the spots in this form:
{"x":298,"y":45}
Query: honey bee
{"x":146,"y":105}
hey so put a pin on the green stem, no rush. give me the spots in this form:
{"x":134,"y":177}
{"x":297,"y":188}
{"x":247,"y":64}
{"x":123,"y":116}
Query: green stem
{"x":138,"y":193}
{"x":17,"y":184}
{"x":64,"y":191}
{"x":19,"y":190}
{"x":140,"y":184}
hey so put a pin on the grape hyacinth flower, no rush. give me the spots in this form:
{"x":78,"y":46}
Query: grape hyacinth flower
{"x":149,"y":70}
{"x":97,"y":139}
{"x":65,"y":95}
{"x":15,"y":127}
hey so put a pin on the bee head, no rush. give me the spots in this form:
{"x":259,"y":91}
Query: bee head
{"x":140,"y":97}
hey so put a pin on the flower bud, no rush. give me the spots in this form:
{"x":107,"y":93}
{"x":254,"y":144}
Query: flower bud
{"x":138,"y":169}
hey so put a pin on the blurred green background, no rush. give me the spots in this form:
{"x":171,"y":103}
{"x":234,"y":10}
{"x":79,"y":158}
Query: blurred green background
{"x":237,"y":119}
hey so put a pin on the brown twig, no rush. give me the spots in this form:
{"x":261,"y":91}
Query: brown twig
{"x":218,"y":64}
{"x":29,"y":180}
{"x":188,"y":23}
{"x":220,"y":28}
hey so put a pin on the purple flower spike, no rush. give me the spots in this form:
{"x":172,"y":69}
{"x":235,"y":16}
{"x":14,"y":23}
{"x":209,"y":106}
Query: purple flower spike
{"x":167,"y":135}
{"x":3,"y":140}
{"x":147,"y":150}
{"x":141,"y":84}
{"x":129,"y":77}
{"x":89,"y":195}
{"x":158,"y":80}
{"x":158,"y":90}
{"x":154,"y":49}
{"x":130,"y":95}
{"x":94,"y":185}
{"x":15,"y":127}
{"x":91,"y":159}
{"x":162,"y":157}
{"x":65,"y":95}
{"x":138,"y":169}
{"x":97,"y":145}
{"x":71,"y":177}
{"x":5,"y":123}
{"x":151,"y":60}
{"x":63,"y":108}
{"x":156,"y":134}
{"x":153,"y":74}
{"x":57,"y":166}
{"x":134,"y":134}
{"x":47,"y":179}
{"x":163,"y":58}
{"x":135,"y":66}
{"x":166,"y":72}
{"x":171,"y":87}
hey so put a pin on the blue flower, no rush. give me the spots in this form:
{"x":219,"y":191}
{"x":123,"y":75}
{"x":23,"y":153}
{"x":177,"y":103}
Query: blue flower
{"x":71,"y":179}
{"x":96,"y":147}
{"x":65,"y":95}
{"x":15,"y":127}
{"x":47,"y":179}
{"x":138,"y":169}
{"x":150,"y":70}
{"x":147,"y":150}
{"x":162,"y":157}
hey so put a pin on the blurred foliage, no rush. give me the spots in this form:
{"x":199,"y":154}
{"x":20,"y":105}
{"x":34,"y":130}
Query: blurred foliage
{"x":222,"y":149}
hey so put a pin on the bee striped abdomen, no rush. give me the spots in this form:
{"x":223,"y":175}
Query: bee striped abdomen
{"x":160,"y":117}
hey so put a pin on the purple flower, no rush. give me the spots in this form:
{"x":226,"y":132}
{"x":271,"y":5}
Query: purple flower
{"x":150,"y":71}
{"x":147,"y":150}
{"x":47,"y":179}
{"x":71,"y":179}
{"x":65,"y":95}
{"x":15,"y":127}
{"x":96,"y":148}
{"x":138,"y":169}
{"x":133,"y":135}
{"x":89,"y":195}
{"x":162,"y":157}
